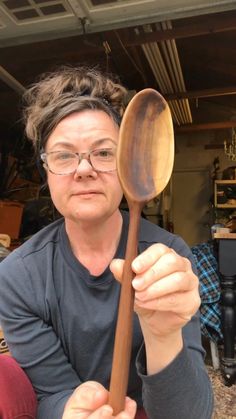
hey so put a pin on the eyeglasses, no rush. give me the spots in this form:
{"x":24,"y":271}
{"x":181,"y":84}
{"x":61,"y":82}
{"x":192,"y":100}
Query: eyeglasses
{"x":66,"y":162}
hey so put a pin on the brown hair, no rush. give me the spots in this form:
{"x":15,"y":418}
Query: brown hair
{"x":67,"y":90}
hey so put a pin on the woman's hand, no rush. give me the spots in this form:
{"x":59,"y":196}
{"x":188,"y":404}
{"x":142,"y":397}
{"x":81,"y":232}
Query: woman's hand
{"x":166,"y":289}
{"x":90,"y":401}
{"x":166,"y":297}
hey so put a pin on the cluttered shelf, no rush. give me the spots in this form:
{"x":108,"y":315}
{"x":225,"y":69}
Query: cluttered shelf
{"x":224,"y":235}
{"x":225,"y":194}
{"x":225,"y":203}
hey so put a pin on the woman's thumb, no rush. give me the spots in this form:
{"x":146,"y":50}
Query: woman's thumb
{"x":116,"y":267}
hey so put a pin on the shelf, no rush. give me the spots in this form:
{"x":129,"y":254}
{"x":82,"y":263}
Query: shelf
{"x":225,"y":182}
{"x":225,"y":194}
{"x":225,"y":236}
{"x":228,"y":206}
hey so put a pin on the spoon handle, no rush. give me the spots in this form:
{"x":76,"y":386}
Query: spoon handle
{"x":123,"y":336}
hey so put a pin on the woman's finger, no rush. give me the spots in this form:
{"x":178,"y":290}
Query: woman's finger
{"x":149,"y":257}
{"x":86,"y":398}
{"x":116,"y":267}
{"x":129,"y":411}
{"x":183,"y":302}
{"x":176,"y":282}
{"x":168,"y":264}
{"x":105,"y":412}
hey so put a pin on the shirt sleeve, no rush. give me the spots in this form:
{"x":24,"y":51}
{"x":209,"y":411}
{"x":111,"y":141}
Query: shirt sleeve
{"x":183,"y":385}
{"x":32,"y":341}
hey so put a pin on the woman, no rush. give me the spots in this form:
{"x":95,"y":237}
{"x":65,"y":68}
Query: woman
{"x":59,"y":302}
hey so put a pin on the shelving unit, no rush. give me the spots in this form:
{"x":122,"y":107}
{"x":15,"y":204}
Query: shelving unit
{"x":225,"y":194}
{"x":224,"y":201}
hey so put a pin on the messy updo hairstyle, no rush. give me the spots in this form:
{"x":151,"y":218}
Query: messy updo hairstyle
{"x":65,"y":91}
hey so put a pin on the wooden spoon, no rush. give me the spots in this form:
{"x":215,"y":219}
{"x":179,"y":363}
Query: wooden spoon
{"x":145,"y":158}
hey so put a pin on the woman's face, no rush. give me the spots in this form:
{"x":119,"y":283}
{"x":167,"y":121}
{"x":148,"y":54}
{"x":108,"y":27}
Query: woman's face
{"x":85,"y":195}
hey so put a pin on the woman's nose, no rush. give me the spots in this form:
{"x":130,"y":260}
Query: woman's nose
{"x":84,"y":168}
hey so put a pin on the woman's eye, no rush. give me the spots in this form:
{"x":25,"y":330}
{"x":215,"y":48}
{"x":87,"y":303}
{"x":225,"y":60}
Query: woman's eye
{"x":103,"y":153}
{"x":65,"y":156}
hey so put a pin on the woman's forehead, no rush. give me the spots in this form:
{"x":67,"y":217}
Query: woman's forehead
{"x":90,"y":125}
{"x":88,"y":119}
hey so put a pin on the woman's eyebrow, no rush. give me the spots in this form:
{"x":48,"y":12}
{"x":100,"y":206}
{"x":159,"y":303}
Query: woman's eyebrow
{"x":95,"y":143}
{"x":102,"y":141}
{"x":62,"y":144}
{"x":72,"y":146}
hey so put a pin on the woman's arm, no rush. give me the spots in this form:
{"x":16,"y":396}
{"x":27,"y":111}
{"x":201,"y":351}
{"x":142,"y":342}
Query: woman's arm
{"x":171,"y":363}
{"x":182,"y":389}
{"x":32,"y":340}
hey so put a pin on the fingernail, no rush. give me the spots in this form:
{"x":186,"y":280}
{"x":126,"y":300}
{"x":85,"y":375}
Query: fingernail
{"x":106,"y":412}
{"x":137,"y":283}
{"x":124,"y":416}
{"x":137,"y":265}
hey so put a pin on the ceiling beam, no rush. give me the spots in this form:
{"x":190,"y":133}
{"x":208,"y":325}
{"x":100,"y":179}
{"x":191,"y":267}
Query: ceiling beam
{"x":11,"y":81}
{"x":211,"y":26}
{"x":207,"y":126}
{"x":196,"y":94}
{"x":62,"y":50}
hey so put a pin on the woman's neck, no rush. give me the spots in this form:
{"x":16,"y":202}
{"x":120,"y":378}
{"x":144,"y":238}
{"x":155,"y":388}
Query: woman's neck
{"x":95,"y":244}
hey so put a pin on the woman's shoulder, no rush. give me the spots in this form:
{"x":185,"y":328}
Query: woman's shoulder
{"x":38,"y":243}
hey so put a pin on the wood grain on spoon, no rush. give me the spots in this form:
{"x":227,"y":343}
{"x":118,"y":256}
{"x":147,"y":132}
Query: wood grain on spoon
{"x":145,"y":159}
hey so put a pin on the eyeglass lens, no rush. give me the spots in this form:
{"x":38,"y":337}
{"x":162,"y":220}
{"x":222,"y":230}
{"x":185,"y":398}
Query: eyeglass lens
{"x":64,"y":162}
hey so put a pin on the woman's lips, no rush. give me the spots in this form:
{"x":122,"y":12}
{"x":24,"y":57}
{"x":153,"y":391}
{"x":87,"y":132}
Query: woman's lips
{"x":85,"y":194}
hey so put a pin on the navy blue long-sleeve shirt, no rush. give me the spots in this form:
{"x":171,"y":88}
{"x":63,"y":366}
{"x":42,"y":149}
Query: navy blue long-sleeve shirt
{"x":59,"y":322}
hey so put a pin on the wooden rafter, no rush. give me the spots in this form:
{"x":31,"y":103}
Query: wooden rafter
{"x":213,"y":25}
{"x":206,"y":126}
{"x":11,"y":81}
{"x":196,"y":94}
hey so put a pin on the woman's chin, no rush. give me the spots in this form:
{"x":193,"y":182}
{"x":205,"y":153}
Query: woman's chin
{"x":87,"y":213}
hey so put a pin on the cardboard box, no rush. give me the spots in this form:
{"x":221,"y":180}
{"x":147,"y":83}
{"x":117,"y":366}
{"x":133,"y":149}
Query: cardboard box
{"x":10,"y":218}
